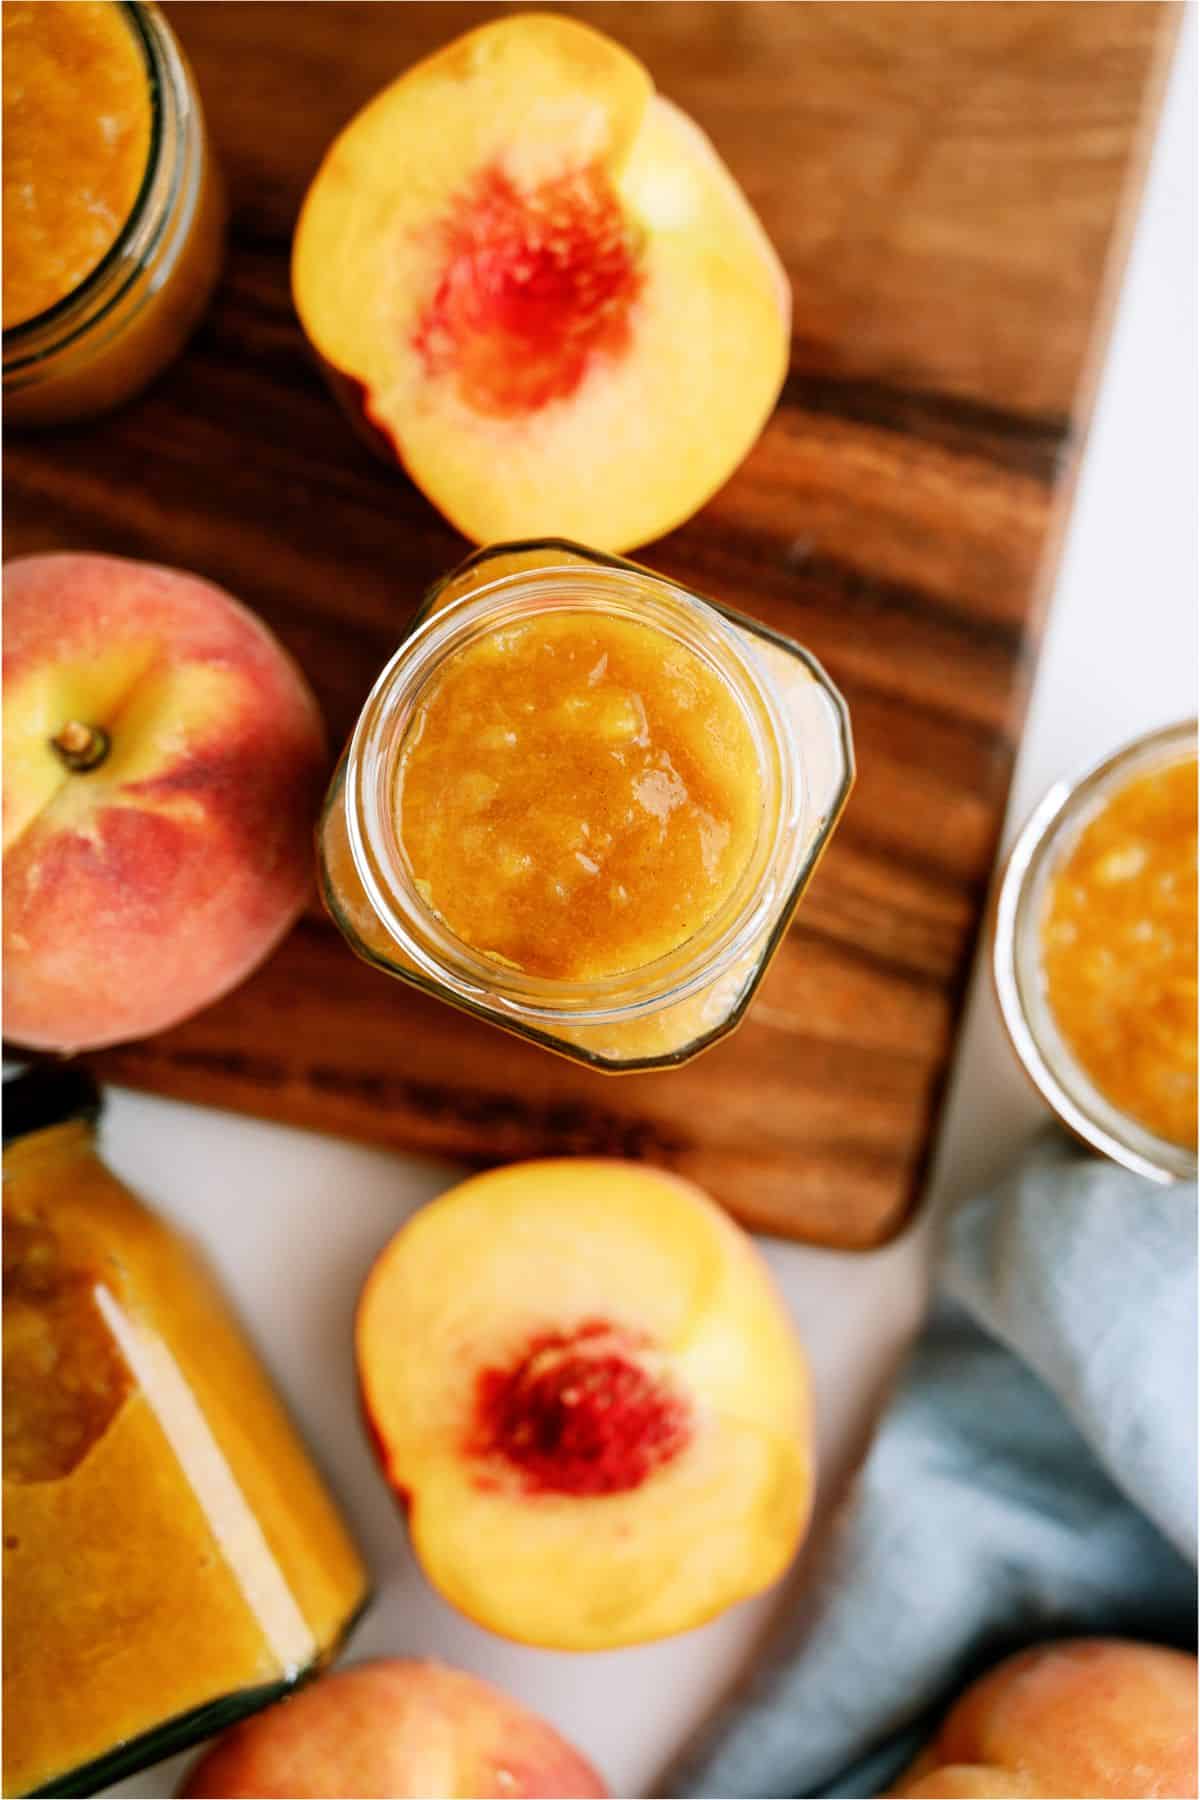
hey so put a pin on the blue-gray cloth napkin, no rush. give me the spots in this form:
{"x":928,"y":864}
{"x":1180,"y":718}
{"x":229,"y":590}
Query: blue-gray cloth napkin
{"x":1034,"y":1476}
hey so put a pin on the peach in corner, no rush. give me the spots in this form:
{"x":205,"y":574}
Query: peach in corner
{"x":163,"y":760}
{"x":534,"y":284}
{"x":1103,"y":1717}
{"x":395,"y":1730}
{"x":582,"y":1383}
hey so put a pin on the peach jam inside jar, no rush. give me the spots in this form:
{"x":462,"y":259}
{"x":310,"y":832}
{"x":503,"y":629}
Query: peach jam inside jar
{"x":1094,"y":955}
{"x":172,"y":1558}
{"x":582,"y":803}
{"x":113,"y":210}
{"x":577,"y":795}
{"x":77,"y":127}
{"x":1119,"y":950}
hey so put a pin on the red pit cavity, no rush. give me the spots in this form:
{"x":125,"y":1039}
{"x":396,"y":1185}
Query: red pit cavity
{"x":577,"y":1415}
{"x":535,"y":283}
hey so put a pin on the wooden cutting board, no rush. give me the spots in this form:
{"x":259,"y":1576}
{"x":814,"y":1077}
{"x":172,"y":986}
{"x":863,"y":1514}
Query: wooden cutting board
{"x":948,"y":186}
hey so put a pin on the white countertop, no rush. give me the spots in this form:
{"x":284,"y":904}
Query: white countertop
{"x":293,"y":1220}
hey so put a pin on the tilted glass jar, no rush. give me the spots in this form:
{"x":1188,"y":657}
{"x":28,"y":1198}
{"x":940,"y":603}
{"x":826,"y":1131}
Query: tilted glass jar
{"x":172,"y":1559}
{"x":112,"y":334}
{"x":668,"y":1010}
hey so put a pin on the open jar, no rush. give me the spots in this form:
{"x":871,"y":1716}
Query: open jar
{"x":85,"y":84}
{"x":1094,"y":953}
{"x":172,"y":1559}
{"x":583,"y":936}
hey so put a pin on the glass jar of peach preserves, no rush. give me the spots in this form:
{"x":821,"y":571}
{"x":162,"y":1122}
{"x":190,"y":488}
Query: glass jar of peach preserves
{"x":582,"y":803}
{"x":172,"y":1559}
{"x":114,"y":212}
{"x":1094,"y":953}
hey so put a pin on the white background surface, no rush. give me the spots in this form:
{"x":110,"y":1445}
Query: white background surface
{"x":294,"y":1221}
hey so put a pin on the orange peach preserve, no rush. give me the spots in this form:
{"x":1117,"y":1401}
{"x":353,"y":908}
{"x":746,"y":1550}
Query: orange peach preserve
{"x":1119,"y":949}
{"x":167,"y":1542}
{"x":77,"y":123}
{"x":577,"y":795}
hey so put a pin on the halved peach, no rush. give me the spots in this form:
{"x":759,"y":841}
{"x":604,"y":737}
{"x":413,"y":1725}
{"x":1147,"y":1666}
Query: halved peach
{"x":536,"y":282}
{"x":392,"y":1729}
{"x":579,"y":1376}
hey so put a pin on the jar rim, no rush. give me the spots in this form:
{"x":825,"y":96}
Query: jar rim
{"x":1055,"y":823}
{"x":370,"y":770}
{"x":57,"y":327}
{"x":42,"y":1095}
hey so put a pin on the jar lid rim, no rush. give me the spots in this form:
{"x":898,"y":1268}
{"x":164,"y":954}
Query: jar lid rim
{"x":47,"y":1094}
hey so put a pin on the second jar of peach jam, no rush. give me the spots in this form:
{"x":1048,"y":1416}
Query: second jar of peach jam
{"x":113,"y":210}
{"x":582,"y":803}
{"x":1095,"y":953}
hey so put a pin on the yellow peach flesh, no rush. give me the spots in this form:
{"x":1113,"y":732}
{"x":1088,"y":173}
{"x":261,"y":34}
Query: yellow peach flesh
{"x":679,"y":381}
{"x":520,"y":1254}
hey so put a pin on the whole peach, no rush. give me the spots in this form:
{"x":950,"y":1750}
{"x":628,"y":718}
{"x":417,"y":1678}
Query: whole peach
{"x":163,"y":759}
{"x":399,"y":1729}
{"x":1094,"y":1717}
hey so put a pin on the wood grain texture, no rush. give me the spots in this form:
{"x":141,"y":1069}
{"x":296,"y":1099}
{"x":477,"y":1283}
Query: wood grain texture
{"x":946,"y":184}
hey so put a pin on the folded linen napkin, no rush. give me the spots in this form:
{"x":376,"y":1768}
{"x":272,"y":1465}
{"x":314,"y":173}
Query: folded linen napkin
{"x":1034,"y":1476}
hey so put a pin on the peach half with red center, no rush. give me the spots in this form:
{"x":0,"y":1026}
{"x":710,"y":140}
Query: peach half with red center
{"x":395,"y":1730}
{"x":580,"y":1379}
{"x":536,"y":284}
{"x":163,"y":760}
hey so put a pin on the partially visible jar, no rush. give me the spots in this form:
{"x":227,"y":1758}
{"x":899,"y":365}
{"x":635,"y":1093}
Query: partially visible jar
{"x":1125,"y":1028}
{"x":108,"y":337}
{"x":667,"y":1011}
{"x":172,"y":1559}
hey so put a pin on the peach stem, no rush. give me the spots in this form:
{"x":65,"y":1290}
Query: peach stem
{"x":82,"y":747}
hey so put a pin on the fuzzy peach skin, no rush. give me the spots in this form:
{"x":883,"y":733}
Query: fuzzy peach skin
{"x":1082,"y":1719}
{"x":394,"y":1729}
{"x":138,"y":891}
{"x":534,"y":284}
